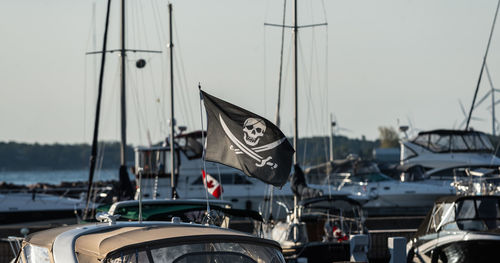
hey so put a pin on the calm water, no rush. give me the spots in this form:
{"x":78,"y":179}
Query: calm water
{"x":55,"y":177}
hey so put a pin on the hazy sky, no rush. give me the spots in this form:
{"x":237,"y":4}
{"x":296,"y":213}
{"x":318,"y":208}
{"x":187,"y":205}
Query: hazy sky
{"x":375,"y":63}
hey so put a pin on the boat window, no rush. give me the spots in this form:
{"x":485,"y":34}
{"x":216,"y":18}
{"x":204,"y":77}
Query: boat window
{"x":473,"y":141}
{"x":466,"y":210}
{"x":486,"y":142}
{"x":191,"y":252}
{"x":439,"y":143}
{"x":36,"y":254}
{"x":422,"y":140}
{"x":447,"y":214}
{"x":371,"y":177}
{"x":191,"y":146}
{"x":134,"y":257}
{"x":209,"y":257}
{"x":488,"y":208}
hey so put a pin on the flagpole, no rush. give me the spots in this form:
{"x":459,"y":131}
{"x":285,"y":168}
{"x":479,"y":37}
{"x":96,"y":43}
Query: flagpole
{"x":172,"y":146}
{"x":204,"y":152}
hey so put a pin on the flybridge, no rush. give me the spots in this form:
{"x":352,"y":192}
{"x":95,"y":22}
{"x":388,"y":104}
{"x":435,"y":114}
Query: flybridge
{"x":454,"y":141}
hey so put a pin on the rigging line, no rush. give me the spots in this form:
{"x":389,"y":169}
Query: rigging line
{"x":317,"y":118}
{"x":324,"y":11}
{"x":482,"y":67}
{"x":183,"y":78}
{"x":277,"y":120}
{"x":160,"y":33}
{"x":307,"y":82}
{"x":185,"y":102}
{"x":135,"y":99}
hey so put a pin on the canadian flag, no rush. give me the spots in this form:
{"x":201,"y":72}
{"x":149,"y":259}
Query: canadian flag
{"x":212,"y":185}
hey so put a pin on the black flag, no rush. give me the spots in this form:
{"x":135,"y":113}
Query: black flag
{"x":246,"y":141}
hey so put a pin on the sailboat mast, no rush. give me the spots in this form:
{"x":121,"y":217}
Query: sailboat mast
{"x":295,"y":62}
{"x":296,"y":115}
{"x":93,"y":155}
{"x":123,"y":113}
{"x":172,"y":146}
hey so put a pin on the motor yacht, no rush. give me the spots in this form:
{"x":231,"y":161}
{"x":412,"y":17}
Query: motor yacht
{"x":379,"y":193}
{"x":444,"y":154}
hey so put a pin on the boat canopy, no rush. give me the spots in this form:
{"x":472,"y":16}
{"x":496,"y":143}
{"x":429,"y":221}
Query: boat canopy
{"x":468,"y":213}
{"x":454,"y":141}
{"x":155,"y":243}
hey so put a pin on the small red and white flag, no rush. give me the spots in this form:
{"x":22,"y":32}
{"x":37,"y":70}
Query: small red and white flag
{"x":213,"y":186}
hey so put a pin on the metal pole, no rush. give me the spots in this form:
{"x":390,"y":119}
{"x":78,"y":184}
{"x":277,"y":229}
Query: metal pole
{"x":172,"y":146}
{"x":332,"y":125}
{"x":123,"y":56}
{"x":295,"y":62}
{"x":93,"y":155}
{"x":296,"y":118}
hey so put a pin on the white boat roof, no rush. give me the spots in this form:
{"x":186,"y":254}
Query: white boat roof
{"x":93,"y":242}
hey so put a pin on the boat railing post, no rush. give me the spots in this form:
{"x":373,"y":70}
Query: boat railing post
{"x":397,"y":248}
{"x":358,"y":246}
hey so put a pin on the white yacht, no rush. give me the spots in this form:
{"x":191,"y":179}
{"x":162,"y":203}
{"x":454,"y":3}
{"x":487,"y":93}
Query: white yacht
{"x":153,"y":166}
{"x":383,"y":194}
{"x":443,"y":154}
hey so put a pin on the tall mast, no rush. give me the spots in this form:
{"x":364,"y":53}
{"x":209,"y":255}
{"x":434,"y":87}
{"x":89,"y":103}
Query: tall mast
{"x":123,"y":113}
{"x":172,"y":146}
{"x":482,"y":66}
{"x":296,"y":111}
{"x":295,"y":74}
{"x":93,"y":154}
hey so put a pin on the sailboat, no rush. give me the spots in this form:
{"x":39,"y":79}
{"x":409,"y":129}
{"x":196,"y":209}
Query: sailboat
{"x":319,"y":227}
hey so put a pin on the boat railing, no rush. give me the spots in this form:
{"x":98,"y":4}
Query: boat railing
{"x":14,"y":244}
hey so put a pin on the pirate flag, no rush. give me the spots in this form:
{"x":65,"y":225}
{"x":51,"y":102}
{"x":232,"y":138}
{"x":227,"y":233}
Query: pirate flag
{"x":246,"y":141}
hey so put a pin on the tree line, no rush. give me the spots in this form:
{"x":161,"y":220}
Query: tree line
{"x":16,"y":156}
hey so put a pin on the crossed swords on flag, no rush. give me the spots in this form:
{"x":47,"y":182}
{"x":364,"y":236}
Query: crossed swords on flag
{"x":252,"y":152}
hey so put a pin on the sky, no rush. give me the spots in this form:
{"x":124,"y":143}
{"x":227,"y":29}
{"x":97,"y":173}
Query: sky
{"x":376,"y":63}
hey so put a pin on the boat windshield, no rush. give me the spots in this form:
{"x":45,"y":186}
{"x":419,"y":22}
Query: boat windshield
{"x":454,"y":142}
{"x":199,"y":252}
{"x":481,"y":214}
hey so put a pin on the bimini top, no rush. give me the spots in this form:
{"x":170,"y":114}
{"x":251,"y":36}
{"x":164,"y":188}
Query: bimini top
{"x":463,"y":213}
{"x":104,"y":243}
{"x":453,"y":141}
